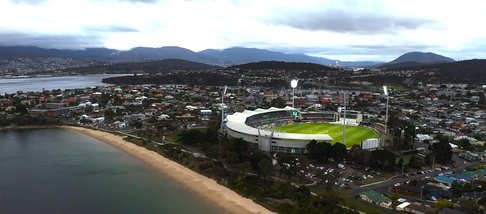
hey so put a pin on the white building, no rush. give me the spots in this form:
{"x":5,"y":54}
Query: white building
{"x":250,"y":126}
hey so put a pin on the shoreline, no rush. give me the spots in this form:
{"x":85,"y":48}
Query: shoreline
{"x":208,"y":189}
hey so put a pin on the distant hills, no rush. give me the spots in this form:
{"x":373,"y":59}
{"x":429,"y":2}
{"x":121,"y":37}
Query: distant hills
{"x":279,"y":65}
{"x":416,"y":59}
{"x":230,"y":56}
{"x":158,"y":66}
{"x":467,"y":71}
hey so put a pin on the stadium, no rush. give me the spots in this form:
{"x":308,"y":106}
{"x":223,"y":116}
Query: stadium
{"x":287,"y":130}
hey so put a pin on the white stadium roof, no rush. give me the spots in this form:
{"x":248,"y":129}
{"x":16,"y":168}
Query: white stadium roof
{"x":236,"y":122}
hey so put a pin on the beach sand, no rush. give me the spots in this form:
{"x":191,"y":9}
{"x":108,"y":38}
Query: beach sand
{"x":218,"y":195}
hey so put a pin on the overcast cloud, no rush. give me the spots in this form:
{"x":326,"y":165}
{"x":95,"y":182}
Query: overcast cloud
{"x":336,"y":29}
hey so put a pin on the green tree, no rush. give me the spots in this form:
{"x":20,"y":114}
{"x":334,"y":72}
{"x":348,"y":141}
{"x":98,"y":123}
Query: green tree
{"x":21,"y":108}
{"x":470,"y":207}
{"x":278,"y":102}
{"x":265,"y":168}
{"x":357,"y":154}
{"x":482,"y":98}
{"x":443,"y":203}
{"x":456,"y":188}
{"x":338,"y":151}
{"x":383,"y":159}
{"x":415,"y":162}
{"x":442,"y":152}
{"x":190,"y":137}
{"x":428,"y":159}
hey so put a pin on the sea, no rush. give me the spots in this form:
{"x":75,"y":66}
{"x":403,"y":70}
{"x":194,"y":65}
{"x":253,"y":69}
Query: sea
{"x":51,"y":83}
{"x":63,"y":171}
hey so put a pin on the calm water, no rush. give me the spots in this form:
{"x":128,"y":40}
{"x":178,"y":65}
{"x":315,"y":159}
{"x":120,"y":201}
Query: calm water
{"x":62,"y":171}
{"x":49,"y":83}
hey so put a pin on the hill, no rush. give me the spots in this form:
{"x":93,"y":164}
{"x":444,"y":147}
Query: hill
{"x":279,"y":65}
{"x":467,"y":71}
{"x":225,"y":57}
{"x":240,"y":55}
{"x":159,"y":66}
{"x":416,"y":59}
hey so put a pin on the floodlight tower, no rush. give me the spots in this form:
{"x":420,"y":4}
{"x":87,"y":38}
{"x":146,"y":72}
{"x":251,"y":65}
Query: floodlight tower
{"x":344,"y":121}
{"x":385,"y":91}
{"x":293,"y":85}
{"x":222,"y":106}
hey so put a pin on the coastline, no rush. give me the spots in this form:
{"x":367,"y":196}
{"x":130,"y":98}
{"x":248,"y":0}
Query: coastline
{"x":208,"y":189}
{"x":15,"y":127}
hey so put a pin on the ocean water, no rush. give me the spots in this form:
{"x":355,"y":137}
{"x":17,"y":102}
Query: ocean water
{"x":62,"y":171}
{"x":50,"y":83}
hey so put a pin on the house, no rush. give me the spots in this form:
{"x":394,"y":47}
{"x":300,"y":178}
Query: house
{"x":419,"y":209}
{"x":163,"y":117}
{"x":474,"y":196}
{"x":117,"y":125}
{"x":447,"y":210}
{"x":376,"y":198}
{"x":205,"y":114}
{"x":445,"y":180}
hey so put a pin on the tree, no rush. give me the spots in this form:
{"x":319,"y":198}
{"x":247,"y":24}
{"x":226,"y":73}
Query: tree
{"x":456,"y":188}
{"x":245,"y":167}
{"x":279,"y":102}
{"x":428,"y":160}
{"x":319,"y":151}
{"x":190,"y":137}
{"x":21,"y":108}
{"x":312,"y":149}
{"x":442,"y":152}
{"x":415,"y":162}
{"x":442,"y":203}
{"x":482,"y":98}
{"x":470,"y":207}
{"x":383,"y":159}
{"x":338,"y":151}
{"x":265,"y":168}
{"x":356,"y":154}
{"x":394,"y":198}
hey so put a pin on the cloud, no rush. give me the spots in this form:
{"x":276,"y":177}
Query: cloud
{"x":27,"y":1}
{"x":111,"y":29}
{"x":140,"y":1}
{"x":341,"y":21}
{"x":50,"y":41}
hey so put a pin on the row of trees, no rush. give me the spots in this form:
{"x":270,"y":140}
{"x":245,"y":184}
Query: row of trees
{"x":325,"y":150}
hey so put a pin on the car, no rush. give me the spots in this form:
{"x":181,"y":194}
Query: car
{"x":397,"y":184}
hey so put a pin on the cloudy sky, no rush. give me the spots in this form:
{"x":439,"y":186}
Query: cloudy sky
{"x":336,"y":29}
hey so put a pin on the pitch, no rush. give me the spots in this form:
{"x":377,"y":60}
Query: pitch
{"x":354,"y":134}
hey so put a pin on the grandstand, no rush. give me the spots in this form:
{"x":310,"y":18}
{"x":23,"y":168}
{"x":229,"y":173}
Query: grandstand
{"x":319,"y":117}
{"x":352,"y":117}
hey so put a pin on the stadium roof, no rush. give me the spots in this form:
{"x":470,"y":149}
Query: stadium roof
{"x":236,"y":122}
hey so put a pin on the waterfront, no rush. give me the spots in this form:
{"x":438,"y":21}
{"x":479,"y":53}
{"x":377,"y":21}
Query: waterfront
{"x":62,"y":171}
{"x":50,"y":83}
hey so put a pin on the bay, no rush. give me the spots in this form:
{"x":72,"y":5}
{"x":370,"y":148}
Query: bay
{"x":62,"y":171}
{"x":51,"y":83}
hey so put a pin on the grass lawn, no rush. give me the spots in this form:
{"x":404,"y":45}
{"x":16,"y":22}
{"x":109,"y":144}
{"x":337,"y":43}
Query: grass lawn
{"x":354,"y":134}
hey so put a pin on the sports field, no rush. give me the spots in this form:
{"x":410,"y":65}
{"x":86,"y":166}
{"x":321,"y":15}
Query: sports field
{"x":354,"y":134}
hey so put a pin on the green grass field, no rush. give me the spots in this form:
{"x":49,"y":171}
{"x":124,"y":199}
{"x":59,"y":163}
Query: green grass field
{"x":354,"y":134}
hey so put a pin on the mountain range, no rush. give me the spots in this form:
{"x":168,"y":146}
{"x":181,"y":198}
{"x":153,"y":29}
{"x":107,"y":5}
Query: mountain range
{"x":225,"y":57}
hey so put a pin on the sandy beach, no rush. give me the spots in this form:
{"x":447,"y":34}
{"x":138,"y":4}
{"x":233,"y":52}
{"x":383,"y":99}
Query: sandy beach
{"x":216,"y":194}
